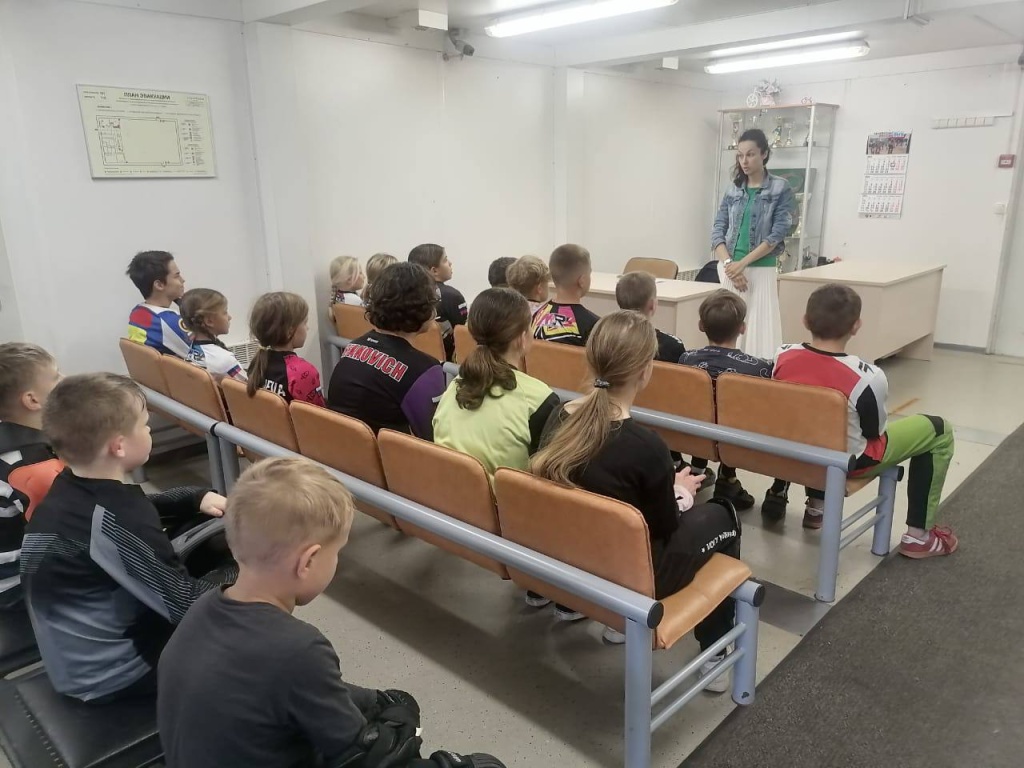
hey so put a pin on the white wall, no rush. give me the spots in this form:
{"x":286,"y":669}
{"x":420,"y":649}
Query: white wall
{"x":953,"y":183}
{"x":648,"y":164}
{"x":69,"y":238}
{"x":404,"y":148}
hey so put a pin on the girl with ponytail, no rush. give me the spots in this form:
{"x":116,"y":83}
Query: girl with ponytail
{"x":204,"y":313}
{"x":280,"y":322}
{"x":493,"y":410}
{"x":594,"y":444}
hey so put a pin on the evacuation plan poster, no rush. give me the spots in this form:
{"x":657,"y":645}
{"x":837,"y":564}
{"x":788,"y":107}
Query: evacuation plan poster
{"x":132,"y":133}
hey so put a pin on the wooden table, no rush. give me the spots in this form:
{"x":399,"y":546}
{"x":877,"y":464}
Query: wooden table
{"x":678,"y":302}
{"x":900,"y":303}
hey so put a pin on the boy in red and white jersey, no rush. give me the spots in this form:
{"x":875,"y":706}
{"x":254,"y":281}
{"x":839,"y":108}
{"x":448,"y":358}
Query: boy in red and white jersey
{"x":833,"y":318}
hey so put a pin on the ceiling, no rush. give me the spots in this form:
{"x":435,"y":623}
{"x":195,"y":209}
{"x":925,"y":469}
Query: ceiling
{"x":691,"y":28}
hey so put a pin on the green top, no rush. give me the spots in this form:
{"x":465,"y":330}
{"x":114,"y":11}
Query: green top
{"x":743,"y":240}
{"x":499,"y":432}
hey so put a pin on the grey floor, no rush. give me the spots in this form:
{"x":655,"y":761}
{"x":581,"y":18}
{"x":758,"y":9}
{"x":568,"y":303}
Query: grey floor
{"x":494,"y":675}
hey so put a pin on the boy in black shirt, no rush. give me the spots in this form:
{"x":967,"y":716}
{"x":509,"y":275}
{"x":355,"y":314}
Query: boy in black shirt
{"x":723,"y":320}
{"x":564,"y":319}
{"x":279,"y":698}
{"x":639,"y":291}
{"x":27,"y":376}
{"x":102,"y":582}
{"x":451,"y":308}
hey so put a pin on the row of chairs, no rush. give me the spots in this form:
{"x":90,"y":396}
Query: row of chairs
{"x":454,"y":484}
{"x":815,"y":416}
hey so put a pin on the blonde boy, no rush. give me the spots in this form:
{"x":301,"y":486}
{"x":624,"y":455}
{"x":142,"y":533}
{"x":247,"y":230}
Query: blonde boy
{"x":281,"y":700}
{"x":564,"y":319}
{"x":27,"y":376}
{"x":530,"y":276}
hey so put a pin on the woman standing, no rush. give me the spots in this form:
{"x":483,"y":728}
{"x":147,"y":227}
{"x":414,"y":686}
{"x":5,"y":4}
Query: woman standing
{"x":748,"y":238}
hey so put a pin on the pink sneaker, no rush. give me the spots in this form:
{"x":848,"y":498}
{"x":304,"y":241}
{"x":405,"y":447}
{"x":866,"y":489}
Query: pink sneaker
{"x":940,"y":541}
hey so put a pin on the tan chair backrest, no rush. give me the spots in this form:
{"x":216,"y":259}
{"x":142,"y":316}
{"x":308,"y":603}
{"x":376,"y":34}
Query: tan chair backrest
{"x":350,"y":321}
{"x":194,"y":387}
{"x":562,"y":366}
{"x":430,"y":342}
{"x":663,"y":268}
{"x":464,"y":343}
{"x":594,"y":533}
{"x":342,"y":443}
{"x":264,"y":415}
{"x":453,"y":483}
{"x":798,"y":412}
{"x":682,"y":391}
{"x":143,"y":365}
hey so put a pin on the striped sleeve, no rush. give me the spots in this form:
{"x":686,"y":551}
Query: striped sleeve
{"x":135,"y":552}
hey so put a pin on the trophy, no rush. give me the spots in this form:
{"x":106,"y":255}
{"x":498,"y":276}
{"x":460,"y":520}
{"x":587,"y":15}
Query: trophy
{"x":777,"y":133}
{"x":737,"y":124}
{"x":789,"y":133}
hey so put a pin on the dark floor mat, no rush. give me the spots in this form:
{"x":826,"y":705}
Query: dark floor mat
{"x":921,"y":665}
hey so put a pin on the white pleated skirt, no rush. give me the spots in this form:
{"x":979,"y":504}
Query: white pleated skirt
{"x":764,"y":322}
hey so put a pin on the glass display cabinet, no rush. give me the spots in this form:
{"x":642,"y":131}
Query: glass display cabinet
{"x":800,"y":137}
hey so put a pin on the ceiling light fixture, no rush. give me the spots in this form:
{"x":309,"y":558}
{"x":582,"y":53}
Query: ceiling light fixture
{"x":778,"y":45}
{"x":573,"y":14}
{"x":851,"y":50}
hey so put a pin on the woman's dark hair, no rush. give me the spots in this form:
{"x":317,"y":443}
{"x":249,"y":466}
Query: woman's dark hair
{"x":273,"y":321}
{"x":757,"y":136}
{"x":497,"y":318}
{"x":402,"y":299}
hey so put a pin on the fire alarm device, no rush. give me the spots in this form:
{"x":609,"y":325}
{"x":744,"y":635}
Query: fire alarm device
{"x":1007,"y":161}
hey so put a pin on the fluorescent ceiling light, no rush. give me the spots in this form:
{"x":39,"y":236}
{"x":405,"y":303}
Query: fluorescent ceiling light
{"x":851,"y":50}
{"x":778,"y":45}
{"x":573,"y":14}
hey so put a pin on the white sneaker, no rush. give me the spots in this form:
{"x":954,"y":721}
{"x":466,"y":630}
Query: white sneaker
{"x":613,"y":636}
{"x":720,"y":684}
{"x":564,"y":613}
{"x":536,"y":601}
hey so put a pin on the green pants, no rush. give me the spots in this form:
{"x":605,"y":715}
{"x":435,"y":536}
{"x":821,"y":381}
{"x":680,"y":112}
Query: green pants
{"x":928,"y":442}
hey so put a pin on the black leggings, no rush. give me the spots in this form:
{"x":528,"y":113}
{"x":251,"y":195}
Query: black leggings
{"x":703,"y":530}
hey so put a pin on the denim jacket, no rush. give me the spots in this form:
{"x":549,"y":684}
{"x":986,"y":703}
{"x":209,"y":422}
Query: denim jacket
{"x":770,"y":220}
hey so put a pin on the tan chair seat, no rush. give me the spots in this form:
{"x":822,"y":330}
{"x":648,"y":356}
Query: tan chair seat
{"x":452,"y":483}
{"x":344,"y":443}
{"x":265,"y":415}
{"x":663,"y":268}
{"x":855,"y":484}
{"x":609,"y":539}
{"x":693,"y":603}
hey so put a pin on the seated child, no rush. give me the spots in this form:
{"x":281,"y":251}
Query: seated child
{"x":451,"y":309}
{"x":593,"y":443}
{"x":639,"y":291}
{"x":564,"y":319}
{"x":279,"y":322}
{"x":276,"y":680}
{"x":204,"y":313}
{"x":347,"y":279}
{"x":103,"y":585}
{"x":381,"y":378}
{"x":156,"y":322}
{"x":375,"y":265}
{"x":833,"y":318}
{"x":530,"y":276}
{"x":27,"y":376}
{"x":497,"y":273}
{"x":493,"y":410}
{"x":723,"y":320}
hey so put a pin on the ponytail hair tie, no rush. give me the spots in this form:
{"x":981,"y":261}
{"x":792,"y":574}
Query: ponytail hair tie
{"x":601,"y":384}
